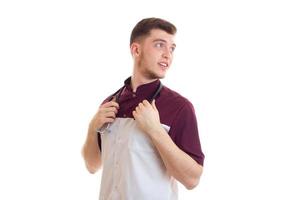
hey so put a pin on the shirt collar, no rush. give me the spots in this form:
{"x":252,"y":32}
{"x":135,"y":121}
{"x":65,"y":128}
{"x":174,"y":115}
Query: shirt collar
{"x":144,"y":89}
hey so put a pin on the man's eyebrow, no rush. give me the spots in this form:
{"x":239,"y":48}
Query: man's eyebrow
{"x":162,"y":40}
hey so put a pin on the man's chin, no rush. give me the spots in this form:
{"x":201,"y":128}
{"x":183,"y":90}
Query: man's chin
{"x":162,"y":76}
{"x":159,"y":76}
{"x":155,"y":75}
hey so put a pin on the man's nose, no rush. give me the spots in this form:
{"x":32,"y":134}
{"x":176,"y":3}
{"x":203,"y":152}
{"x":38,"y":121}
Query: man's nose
{"x":167,"y":54}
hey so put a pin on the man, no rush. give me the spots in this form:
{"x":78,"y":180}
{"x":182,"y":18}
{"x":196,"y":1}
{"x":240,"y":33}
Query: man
{"x":149,"y":136}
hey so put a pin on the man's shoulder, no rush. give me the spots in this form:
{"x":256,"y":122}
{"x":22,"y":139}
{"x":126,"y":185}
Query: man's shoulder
{"x":173,"y":106}
{"x":174,"y":97}
{"x":171,"y":103}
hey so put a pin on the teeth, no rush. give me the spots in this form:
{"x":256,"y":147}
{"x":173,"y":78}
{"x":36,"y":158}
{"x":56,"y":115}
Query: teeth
{"x":164,"y":64}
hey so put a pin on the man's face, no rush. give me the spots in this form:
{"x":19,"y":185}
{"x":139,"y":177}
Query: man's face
{"x":156,"y":54}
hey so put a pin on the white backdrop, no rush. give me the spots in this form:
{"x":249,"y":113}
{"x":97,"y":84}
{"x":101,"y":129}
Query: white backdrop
{"x":237,"y":61}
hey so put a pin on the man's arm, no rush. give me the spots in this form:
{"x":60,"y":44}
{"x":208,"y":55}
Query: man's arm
{"x":90,"y":151}
{"x":179,"y":164}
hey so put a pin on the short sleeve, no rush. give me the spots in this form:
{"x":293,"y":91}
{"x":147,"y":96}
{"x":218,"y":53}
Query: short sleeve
{"x":184,"y":130}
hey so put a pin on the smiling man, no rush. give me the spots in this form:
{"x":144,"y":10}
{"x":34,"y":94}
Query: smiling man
{"x":145,"y":135}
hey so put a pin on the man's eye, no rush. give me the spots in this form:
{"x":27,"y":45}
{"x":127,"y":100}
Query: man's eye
{"x":172,"y":49}
{"x":158,"y":45}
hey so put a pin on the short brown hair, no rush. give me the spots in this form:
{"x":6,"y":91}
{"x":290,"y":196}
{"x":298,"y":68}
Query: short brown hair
{"x":144,"y":27}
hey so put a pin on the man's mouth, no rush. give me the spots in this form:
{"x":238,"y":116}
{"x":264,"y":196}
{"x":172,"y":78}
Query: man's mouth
{"x":163,"y":64}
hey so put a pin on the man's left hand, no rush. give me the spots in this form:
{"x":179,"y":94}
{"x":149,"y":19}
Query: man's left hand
{"x":147,"y":117}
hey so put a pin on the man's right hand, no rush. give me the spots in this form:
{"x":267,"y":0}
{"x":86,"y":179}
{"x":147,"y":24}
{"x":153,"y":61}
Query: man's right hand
{"x":106,"y":114}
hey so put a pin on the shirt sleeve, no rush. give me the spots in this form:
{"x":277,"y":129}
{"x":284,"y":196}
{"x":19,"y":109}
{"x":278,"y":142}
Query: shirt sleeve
{"x":184,"y":129}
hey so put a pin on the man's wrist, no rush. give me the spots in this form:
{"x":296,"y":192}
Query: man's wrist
{"x":156,"y":131}
{"x":92,"y":128}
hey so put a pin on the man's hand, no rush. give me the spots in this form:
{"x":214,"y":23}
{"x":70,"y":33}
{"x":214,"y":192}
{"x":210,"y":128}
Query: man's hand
{"x":147,"y":117}
{"x":105,"y":114}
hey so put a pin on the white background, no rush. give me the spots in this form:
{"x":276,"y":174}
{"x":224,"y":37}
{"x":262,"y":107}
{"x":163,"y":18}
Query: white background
{"x":237,"y":61}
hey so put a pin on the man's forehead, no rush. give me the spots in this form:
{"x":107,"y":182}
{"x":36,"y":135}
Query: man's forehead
{"x":161,"y":35}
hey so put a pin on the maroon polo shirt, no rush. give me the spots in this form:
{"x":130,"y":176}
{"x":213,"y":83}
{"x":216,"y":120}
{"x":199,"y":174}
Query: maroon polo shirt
{"x":175,"y":111}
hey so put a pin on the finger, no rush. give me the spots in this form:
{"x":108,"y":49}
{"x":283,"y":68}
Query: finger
{"x":110,"y":114}
{"x":103,"y":110}
{"x":112,"y":109}
{"x":110,"y":104}
{"x":134,"y":114}
{"x":137,"y":109}
{"x":106,"y":112}
{"x":146,"y":103}
{"x":141,"y":105}
{"x":104,"y":105}
{"x":102,"y":120}
{"x":114,"y":104}
{"x":108,"y":120}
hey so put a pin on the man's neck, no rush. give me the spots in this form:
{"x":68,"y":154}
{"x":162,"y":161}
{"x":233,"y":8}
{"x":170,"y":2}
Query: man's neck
{"x":136,"y":81}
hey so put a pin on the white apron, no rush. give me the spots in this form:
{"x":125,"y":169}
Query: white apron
{"x":132,"y":167}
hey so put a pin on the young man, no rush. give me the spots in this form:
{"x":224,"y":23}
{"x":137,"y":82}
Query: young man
{"x":149,"y":136}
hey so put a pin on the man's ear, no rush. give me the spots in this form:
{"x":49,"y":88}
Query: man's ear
{"x":135,"y":49}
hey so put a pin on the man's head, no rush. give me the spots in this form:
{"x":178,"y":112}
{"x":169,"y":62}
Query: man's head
{"x":152,"y":45}
{"x":143,"y":28}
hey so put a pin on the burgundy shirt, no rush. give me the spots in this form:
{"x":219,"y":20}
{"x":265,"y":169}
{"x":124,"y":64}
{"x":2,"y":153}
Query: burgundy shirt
{"x":175,"y":111}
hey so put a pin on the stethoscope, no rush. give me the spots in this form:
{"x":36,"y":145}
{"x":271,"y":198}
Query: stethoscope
{"x":116,"y":96}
